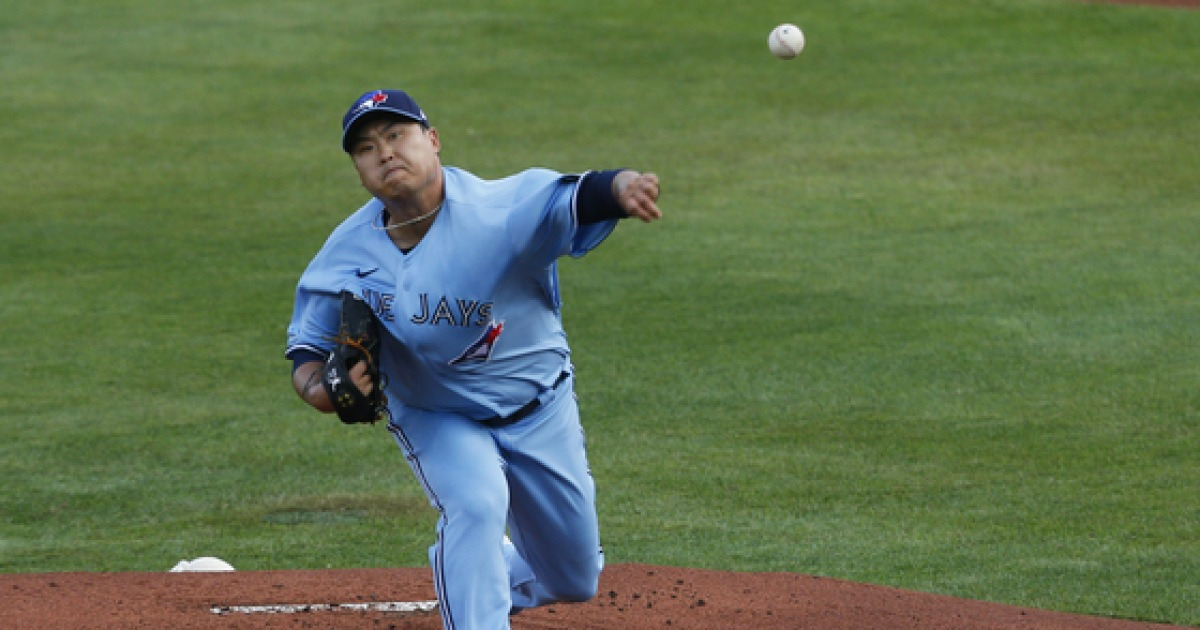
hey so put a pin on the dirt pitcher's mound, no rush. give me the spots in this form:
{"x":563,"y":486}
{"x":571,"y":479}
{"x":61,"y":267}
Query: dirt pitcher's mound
{"x":631,"y":597}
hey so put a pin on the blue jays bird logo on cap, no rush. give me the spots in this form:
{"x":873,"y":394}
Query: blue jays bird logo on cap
{"x":376,"y":98}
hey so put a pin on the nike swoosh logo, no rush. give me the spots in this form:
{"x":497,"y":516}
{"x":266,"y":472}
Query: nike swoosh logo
{"x":361,"y":273}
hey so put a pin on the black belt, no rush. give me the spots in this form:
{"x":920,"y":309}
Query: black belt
{"x":496,"y":422}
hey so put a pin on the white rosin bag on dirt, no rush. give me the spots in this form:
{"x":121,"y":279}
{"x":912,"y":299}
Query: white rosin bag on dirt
{"x":203,"y":563}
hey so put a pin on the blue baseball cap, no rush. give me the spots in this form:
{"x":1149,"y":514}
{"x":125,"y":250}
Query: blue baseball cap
{"x":392,"y":101}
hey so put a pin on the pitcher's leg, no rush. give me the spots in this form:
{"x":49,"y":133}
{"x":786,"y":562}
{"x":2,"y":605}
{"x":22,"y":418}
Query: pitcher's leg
{"x":552,"y":511}
{"x":458,"y":464}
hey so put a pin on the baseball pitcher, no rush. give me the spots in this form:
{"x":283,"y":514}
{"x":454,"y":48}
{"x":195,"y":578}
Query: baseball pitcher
{"x":435,"y":308}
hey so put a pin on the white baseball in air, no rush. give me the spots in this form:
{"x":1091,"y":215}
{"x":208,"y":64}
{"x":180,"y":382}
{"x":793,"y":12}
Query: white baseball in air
{"x":786,"y":41}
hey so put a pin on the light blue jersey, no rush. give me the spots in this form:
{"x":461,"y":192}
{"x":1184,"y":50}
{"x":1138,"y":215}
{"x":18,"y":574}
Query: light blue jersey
{"x":473,"y":311}
{"x":473,"y":333}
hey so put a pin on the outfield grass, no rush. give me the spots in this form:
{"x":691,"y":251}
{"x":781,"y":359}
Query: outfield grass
{"x":925,"y":310}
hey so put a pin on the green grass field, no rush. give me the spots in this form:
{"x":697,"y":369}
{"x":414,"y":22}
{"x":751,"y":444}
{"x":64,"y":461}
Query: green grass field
{"x":925,"y":310}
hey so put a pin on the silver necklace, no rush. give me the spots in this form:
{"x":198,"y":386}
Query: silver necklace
{"x":392,"y":226}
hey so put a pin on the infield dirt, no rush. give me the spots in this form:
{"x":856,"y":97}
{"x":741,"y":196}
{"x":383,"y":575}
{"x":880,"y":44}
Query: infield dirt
{"x":631,"y":597}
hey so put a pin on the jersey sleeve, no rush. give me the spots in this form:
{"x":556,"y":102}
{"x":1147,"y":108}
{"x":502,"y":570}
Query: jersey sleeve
{"x":317,"y":307}
{"x":545,"y":221}
{"x":314,"y":321}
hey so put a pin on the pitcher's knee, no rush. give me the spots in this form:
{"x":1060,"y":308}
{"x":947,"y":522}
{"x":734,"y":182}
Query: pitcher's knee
{"x":579,"y":588}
